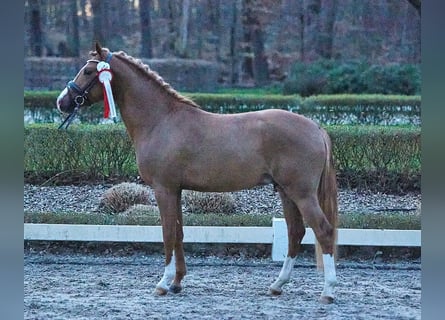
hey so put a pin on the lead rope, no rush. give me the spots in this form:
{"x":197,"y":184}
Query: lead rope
{"x":69,"y":118}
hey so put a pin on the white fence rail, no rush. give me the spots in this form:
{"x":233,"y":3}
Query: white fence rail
{"x":119,"y":233}
{"x":275,"y":235}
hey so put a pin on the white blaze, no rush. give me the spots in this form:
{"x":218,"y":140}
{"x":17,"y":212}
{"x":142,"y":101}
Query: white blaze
{"x":60,"y":97}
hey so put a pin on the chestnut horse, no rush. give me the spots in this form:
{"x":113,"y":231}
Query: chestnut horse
{"x":180,"y":146}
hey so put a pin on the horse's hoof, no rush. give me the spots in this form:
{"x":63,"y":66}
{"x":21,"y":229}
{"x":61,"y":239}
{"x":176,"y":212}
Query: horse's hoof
{"x":326,"y":299}
{"x":275,"y":292}
{"x":160,"y":291}
{"x":175,"y":288}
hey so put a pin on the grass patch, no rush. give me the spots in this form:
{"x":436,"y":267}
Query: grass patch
{"x":401,"y":221}
{"x":397,"y":221}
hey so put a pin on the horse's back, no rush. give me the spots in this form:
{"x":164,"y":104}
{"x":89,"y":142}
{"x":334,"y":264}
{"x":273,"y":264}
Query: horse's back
{"x":267,"y":135}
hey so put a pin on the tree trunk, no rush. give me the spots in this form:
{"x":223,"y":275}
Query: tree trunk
{"x":311,"y":29}
{"x":172,"y":34}
{"x":73,"y":31}
{"x":183,"y":30}
{"x":326,"y":36}
{"x":260,"y":66}
{"x":300,"y":11}
{"x":98,"y":34}
{"x":255,"y":60}
{"x":234,"y":47}
{"x":144,"y":14}
{"x":36,"y":34}
{"x":218,"y":29}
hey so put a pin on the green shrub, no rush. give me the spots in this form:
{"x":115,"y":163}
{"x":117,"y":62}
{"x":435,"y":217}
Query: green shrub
{"x":363,"y":101}
{"x":122,"y":197}
{"x":392,"y":79}
{"x":308,"y":79}
{"x":236,"y":103}
{"x":328,"y":77}
{"x":345,"y":78}
{"x":369,"y":109}
{"x":84,"y":152}
{"x":36,"y":99}
{"x":377,"y":158}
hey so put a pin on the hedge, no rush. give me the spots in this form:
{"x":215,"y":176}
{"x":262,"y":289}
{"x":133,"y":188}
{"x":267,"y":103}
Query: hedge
{"x":327,"y":109}
{"x":84,"y":152}
{"x":378,"y":158}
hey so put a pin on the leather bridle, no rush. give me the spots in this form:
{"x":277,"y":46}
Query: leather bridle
{"x":81,"y":94}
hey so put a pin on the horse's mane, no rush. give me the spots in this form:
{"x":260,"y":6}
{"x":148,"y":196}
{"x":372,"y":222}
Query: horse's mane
{"x":153,"y":75}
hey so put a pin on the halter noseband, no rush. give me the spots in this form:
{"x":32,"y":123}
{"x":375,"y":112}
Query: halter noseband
{"x":82,"y":94}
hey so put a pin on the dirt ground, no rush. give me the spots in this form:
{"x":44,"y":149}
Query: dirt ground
{"x":92,"y":286}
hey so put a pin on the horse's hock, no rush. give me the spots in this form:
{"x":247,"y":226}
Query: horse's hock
{"x":52,"y":73}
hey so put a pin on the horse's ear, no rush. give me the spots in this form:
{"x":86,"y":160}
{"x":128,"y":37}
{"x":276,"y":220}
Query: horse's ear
{"x":98,"y":48}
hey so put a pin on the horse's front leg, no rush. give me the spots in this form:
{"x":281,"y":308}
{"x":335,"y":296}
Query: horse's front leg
{"x":169,"y":202}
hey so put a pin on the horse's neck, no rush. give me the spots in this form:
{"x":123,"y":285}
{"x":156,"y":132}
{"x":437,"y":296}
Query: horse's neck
{"x":142,"y":102}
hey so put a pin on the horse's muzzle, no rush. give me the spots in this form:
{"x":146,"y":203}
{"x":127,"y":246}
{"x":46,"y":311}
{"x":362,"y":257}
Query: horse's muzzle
{"x":63,"y":102}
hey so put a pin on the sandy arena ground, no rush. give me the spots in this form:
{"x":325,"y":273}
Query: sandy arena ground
{"x":77,"y":286}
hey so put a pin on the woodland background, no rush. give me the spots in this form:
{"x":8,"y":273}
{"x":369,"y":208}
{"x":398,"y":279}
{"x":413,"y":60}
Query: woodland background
{"x":253,"y":42}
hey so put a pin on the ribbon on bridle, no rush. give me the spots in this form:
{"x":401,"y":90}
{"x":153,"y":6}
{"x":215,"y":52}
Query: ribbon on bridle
{"x":105,"y":76}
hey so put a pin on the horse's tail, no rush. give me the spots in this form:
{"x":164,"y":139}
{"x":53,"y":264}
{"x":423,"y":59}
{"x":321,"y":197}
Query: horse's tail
{"x":327,"y":196}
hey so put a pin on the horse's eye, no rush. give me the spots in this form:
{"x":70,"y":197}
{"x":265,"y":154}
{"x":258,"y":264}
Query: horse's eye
{"x":87,"y":72}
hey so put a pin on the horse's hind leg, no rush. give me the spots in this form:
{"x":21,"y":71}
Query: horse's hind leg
{"x":295,"y":233}
{"x":325,"y":234}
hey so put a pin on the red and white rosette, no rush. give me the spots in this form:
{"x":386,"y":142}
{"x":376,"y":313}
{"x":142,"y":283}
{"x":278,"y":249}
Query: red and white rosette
{"x":105,"y":77}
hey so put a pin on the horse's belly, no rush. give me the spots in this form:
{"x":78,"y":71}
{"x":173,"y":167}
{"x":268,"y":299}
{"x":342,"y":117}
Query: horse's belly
{"x":226,"y":179}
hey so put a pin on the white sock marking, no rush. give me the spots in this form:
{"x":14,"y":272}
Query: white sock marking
{"x":330,"y":278}
{"x":285,"y":273}
{"x":169,"y":274}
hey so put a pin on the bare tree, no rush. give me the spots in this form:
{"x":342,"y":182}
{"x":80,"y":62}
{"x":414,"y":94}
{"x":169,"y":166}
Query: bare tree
{"x":311,"y":22}
{"x":299,"y":9}
{"x":35,"y":28}
{"x":255,"y":59}
{"x":172,"y":13}
{"x":183,"y":30}
{"x":235,"y":28}
{"x":326,"y":35}
{"x":98,"y":34}
{"x":146,"y":38}
{"x":73,"y":31}
{"x":255,"y":40}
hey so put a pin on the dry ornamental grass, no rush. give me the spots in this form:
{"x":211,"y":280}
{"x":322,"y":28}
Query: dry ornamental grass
{"x":209,"y":202}
{"x":121,"y":197}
